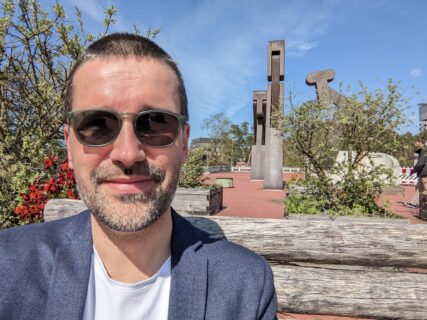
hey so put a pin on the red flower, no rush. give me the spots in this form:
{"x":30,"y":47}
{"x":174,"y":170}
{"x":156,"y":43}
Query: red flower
{"x":58,"y":181}
{"x":50,"y":161}
{"x":61,"y":178}
{"x":70,"y":174}
{"x":21,"y":211}
{"x":64,"y":165}
{"x":71,"y":194}
{"x":36,"y":195}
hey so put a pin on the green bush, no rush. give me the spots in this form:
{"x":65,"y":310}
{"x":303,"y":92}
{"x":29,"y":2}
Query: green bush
{"x":356,"y":193}
{"x":192,"y":171}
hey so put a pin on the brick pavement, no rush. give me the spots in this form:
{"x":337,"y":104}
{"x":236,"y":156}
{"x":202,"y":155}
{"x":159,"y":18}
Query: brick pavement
{"x":248,"y":199}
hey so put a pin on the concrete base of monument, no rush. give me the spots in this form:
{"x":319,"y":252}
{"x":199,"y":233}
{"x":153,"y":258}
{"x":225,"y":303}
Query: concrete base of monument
{"x":257,"y":162}
{"x":273,"y":161}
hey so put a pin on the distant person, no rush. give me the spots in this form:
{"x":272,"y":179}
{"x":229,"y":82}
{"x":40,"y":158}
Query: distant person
{"x":130,"y":255}
{"x":420,"y":168}
{"x":415,"y":200}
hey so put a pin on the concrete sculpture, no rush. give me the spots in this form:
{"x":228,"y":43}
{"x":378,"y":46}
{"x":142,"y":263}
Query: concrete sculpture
{"x":267,"y":154}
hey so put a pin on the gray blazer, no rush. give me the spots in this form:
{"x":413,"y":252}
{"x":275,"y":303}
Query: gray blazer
{"x":44,"y":273}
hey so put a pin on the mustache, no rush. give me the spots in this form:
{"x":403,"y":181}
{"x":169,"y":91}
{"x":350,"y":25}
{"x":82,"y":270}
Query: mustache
{"x":104,"y":173}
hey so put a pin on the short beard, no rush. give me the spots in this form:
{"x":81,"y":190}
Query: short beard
{"x":128,"y":212}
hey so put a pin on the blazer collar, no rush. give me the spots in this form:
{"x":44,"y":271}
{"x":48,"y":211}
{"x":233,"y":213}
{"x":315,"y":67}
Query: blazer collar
{"x":189,"y":281}
{"x":71,"y":270}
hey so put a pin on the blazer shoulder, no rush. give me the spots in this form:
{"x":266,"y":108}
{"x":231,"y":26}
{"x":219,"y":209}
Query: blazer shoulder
{"x":43,"y":234}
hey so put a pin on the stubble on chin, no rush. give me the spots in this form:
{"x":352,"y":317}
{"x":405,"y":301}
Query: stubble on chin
{"x":128,"y":212}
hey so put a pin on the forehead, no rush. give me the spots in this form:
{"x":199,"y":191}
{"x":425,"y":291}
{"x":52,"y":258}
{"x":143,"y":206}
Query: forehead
{"x":125,"y":82}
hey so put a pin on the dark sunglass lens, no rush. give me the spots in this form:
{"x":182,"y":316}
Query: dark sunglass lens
{"x":157,"y":129}
{"x":96,"y":127}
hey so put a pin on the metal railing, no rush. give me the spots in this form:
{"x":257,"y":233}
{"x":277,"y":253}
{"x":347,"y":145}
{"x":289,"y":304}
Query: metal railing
{"x":216,"y":169}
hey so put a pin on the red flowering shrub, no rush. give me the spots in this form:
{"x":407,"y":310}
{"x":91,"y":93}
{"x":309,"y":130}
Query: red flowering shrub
{"x":57,"y":181}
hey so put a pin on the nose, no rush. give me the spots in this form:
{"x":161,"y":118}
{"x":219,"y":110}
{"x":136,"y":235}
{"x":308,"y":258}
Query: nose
{"x":126,"y":148}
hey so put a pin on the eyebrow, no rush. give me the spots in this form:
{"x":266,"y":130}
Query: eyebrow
{"x":140,"y":108}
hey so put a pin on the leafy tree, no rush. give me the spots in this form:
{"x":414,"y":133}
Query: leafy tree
{"x":239,"y":143}
{"x":291,"y":157}
{"x":228,"y":142}
{"x":217,"y":127}
{"x":310,"y":131}
{"x":366,"y":122}
{"x":37,"y":49}
{"x":406,"y":148}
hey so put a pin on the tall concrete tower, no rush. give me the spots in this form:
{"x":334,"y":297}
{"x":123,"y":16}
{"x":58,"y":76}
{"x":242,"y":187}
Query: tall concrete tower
{"x":423,"y":116}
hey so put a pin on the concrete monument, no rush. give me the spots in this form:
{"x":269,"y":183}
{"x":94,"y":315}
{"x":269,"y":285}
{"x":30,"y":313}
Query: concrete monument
{"x":273,"y":161}
{"x":325,"y":94}
{"x":259,"y":111}
{"x":267,"y":153}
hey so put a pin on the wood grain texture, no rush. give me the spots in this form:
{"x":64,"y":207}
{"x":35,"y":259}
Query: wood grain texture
{"x":357,"y":293}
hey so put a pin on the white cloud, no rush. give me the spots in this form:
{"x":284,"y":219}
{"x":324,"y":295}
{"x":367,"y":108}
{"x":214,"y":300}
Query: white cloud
{"x":91,"y":8}
{"x":299,"y":48}
{"x":416,"y":72}
{"x":220,"y":55}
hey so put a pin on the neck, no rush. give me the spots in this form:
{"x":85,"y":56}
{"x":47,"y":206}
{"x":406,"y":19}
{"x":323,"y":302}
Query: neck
{"x":131,"y":257}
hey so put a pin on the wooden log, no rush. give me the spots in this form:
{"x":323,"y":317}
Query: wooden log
{"x":324,"y":242}
{"x":351,"y":219}
{"x":357,"y":293}
{"x":61,"y":208}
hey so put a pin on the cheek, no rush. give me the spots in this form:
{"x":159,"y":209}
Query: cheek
{"x":168,"y":162}
{"x":85,"y":163}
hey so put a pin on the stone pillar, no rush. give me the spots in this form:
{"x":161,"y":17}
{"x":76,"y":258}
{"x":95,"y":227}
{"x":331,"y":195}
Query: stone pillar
{"x":423,"y":116}
{"x":273,"y":161}
{"x":259,"y":112}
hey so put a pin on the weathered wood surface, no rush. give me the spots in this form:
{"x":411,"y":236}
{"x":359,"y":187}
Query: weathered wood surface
{"x":346,"y":219}
{"x":336,"y":267}
{"x":326,"y":242}
{"x":61,"y":208}
{"x":361,"y":293}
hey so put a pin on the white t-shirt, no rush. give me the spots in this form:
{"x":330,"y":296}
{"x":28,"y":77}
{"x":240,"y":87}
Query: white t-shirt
{"x":108,"y":299}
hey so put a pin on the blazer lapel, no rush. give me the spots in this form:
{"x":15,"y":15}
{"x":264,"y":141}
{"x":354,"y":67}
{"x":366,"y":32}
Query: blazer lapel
{"x":189,"y":279}
{"x":68,"y":287}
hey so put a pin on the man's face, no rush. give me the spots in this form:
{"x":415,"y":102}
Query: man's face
{"x":126,"y":185}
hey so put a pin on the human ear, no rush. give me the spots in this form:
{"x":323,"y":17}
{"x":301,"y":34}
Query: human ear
{"x":67,"y":141}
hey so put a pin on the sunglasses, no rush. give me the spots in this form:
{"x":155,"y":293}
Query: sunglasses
{"x":100,"y":127}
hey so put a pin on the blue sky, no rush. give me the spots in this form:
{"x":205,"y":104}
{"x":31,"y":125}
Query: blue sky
{"x":221,"y":46}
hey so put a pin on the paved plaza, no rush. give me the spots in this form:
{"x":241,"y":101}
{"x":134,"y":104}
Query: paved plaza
{"x":248,"y":199}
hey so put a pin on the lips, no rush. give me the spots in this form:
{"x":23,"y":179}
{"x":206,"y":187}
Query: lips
{"x":129,"y":184}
